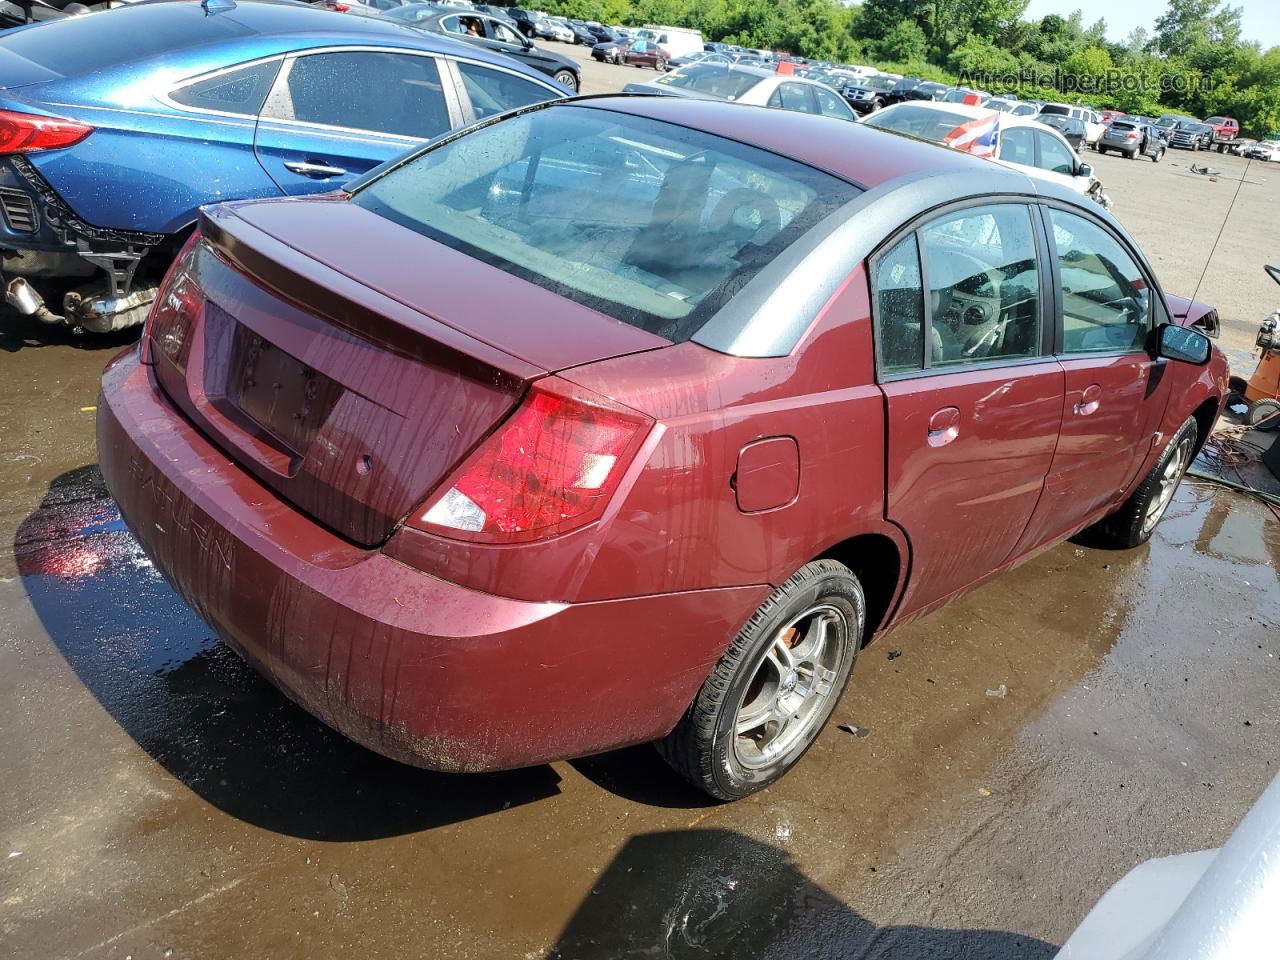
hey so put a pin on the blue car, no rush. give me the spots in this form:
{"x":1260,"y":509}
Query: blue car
{"x":116,"y":127}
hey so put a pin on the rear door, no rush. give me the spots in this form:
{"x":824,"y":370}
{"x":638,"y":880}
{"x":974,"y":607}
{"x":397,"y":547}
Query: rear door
{"x":333,"y":114}
{"x":974,"y":400}
{"x":1116,"y":392}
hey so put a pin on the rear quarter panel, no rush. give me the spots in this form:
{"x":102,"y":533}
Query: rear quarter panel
{"x":149,"y":171}
{"x":675,"y":524}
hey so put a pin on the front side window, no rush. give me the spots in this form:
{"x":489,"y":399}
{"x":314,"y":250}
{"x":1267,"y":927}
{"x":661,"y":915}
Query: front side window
{"x":829,"y":105}
{"x":653,"y":224}
{"x":497,"y":91}
{"x":984,"y":285}
{"x":1106,"y":302}
{"x":1017,"y":145}
{"x":1056,"y":156}
{"x":504,"y":33}
{"x":386,"y":92}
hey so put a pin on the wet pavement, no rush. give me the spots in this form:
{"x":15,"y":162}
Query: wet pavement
{"x":1027,"y":745}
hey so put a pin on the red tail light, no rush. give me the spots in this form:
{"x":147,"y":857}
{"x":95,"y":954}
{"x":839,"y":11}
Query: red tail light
{"x":27,"y":133}
{"x":176,"y":307}
{"x":339,"y":7}
{"x":550,"y":468}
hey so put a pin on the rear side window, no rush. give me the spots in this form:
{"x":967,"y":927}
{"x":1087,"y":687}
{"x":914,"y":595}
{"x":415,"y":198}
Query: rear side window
{"x":656,"y":225}
{"x":240,"y":91}
{"x":715,"y":80}
{"x":496,"y":91}
{"x":829,"y":105}
{"x":387,"y":92}
{"x":1105,"y":298}
{"x":1017,"y":145}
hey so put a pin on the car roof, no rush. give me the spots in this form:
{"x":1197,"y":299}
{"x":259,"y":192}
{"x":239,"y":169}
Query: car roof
{"x":963,"y":109}
{"x":860,"y":154}
{"x":180,"y":36}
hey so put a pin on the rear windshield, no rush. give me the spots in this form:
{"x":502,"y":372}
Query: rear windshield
{"x":1054,"y":109}
{"x":716,"y":80}
{"x":924,"y":123}
{"x":1121,"y":125}
{"x":653,"y":224}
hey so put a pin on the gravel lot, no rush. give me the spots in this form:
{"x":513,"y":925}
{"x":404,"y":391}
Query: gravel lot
{"x":1026,"y":745}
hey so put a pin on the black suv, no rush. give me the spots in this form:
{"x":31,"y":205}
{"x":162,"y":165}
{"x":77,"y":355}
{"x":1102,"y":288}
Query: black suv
{"x":1191,"y":135}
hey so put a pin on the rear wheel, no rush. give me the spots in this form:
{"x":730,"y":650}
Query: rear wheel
{"x":772,"y":691}
{"x":567,"y":80}
{"x":1136,"y":520}
{"x":1101,"y":149}
{"x":660,"y":64}
{"x":1158,"y":155}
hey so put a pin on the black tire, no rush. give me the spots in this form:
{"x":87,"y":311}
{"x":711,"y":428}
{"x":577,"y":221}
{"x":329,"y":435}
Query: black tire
{"x":1131,"y":154}
{"x":1133,"y":523}
{"x":705,"y":747}
{"x":1261,"y":410}
{"x":1101,"y":150}
{"x":567,"y":80}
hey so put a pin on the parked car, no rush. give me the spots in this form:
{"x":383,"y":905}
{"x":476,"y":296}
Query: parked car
{"x":1014,"y":108}
{"x":1106,"y":116}
{"x":1224,"y":128}
{"x":1266,"y":150}
{"x":700,"y":447}
{"x":913,"y":88}
{"x":1191,"y":135}
{"x":868,"y":94}
{"x":582,"y":33}
{"x":677,"y":41}
{"x":973,"y":98}
{"x":1094,"y":127}
{"x":642,"y":53}
{"x":491,"y":33}
{"x":749,"y":85}
{"x":700,"y":56}
{"x":1131,"y":140}
{"x":1166,"y":123}
{"x":559,"y":30}
{"x":527,"y":22}
{"x":610,"y":52}
{"x":185,"y":108}
{"x":1027,"y":145}
{"x":1071,"y":128}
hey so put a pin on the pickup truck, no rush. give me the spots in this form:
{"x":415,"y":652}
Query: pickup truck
{"x":1224,"y":128}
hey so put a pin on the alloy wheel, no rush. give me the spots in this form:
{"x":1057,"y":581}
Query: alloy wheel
{"x":1170,"y":477}
{"x":791,"y":687}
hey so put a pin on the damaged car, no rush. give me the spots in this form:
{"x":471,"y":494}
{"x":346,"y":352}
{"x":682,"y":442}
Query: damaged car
{"x":116,"y":128}
{"x":625,"y":419}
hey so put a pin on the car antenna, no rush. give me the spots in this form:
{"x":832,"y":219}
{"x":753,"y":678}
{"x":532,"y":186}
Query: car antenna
{"x":1221,"y":229}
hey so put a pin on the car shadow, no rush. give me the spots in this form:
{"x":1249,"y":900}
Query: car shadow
{"x":640,"y":775}
{"x":711,"y":894}
{"x":201,"y":711}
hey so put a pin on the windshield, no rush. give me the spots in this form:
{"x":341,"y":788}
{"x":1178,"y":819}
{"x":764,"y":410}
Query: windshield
{"x":923,"y":123}
{"x":653,"y":224}
{"x":1053,"y":109}
{"x":879,"y":84}
{"x":718,"y":80}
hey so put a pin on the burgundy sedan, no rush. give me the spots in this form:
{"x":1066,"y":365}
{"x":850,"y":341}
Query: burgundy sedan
{"x":634,"y":419}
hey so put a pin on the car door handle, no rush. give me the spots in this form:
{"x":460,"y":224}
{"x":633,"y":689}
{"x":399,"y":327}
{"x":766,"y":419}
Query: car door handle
{"x":1089,"y":398}
{"x":944,"y":426}
{"x":317,"y":171}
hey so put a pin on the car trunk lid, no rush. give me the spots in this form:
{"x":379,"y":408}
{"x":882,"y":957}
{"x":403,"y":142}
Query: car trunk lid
{"x":353,"y":399}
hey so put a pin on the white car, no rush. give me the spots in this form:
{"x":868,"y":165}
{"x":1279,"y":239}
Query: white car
{"x":1015,"y":108}
{"x":560,"y":30}
{"x":749,"y":85}
{"x":1266,"y":150}
{"x":1017,"y":142}
{"x":1094,"y":128}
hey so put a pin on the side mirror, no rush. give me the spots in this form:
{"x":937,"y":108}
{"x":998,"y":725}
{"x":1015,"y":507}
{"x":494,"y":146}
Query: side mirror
{"x":1182,"y":343}
{"x":1084,"y":170}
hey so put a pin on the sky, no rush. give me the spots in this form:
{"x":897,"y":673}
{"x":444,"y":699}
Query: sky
{"x":1261,"y":18}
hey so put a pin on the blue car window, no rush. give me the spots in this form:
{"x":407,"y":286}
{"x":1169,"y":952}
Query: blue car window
{"x":234,"y":91}
{"x":388,"y":92}
{"x":497,"y":91}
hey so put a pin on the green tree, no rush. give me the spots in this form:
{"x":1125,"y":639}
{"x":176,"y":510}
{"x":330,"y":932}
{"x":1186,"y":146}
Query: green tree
{"x":1188,"y":23}
{"x":903,"y":41}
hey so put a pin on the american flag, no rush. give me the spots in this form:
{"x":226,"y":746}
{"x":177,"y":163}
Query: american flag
{"x":977,"y":137}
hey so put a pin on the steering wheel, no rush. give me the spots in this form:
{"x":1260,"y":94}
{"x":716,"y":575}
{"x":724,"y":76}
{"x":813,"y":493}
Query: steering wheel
{"x":990,"y":305}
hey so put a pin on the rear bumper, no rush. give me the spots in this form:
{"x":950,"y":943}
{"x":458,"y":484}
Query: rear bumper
{"x":413,"y":667}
